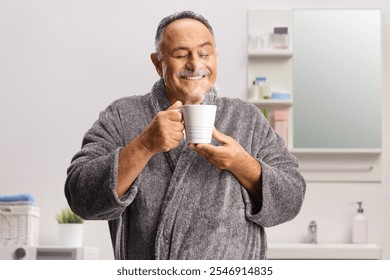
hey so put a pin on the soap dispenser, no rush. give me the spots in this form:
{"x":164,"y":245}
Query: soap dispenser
{"x":359,"y":226}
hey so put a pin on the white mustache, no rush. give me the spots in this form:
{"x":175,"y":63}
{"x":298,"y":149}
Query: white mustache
{"x":196,"y":73}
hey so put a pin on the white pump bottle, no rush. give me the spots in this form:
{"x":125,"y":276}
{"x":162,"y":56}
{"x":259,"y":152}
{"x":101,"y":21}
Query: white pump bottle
{"x":360,"y":226}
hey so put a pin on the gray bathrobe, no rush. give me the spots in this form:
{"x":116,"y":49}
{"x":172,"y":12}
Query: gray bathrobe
{"x":181,"y":206}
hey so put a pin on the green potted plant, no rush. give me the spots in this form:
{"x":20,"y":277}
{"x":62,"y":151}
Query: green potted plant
{"x":70,"y":228}
{"x":68,"y":217}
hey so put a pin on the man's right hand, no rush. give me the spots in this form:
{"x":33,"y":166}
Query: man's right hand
{"x":165,"y":131}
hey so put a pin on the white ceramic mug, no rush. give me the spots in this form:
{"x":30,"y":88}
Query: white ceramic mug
{"x":198,"y":122}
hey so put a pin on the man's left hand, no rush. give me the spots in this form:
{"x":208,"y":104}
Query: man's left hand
{"x":230,"y":155}
{"x":226,"y":156}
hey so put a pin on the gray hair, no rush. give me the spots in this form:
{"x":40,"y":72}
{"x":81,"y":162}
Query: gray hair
{"x":171,"y":18}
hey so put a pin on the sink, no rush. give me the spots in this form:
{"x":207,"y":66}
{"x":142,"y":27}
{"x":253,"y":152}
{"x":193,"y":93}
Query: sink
{"x":324,"y":251}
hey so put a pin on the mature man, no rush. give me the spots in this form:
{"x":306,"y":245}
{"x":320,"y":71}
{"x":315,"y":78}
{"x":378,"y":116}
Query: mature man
{"x":167,"y":200}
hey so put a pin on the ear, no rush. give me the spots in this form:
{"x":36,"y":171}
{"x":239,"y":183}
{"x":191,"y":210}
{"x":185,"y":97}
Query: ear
{"x":157,"y":63}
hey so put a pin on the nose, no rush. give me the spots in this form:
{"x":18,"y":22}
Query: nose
{"x":193,"y":63}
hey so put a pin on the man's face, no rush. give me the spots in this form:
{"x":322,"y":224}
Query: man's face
{"x":188,"y":63}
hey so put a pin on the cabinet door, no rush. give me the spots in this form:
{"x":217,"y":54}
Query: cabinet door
{"x":337,"y":79}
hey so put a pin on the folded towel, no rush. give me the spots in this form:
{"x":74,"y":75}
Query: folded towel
{"x":23,"y":197}
{"x":15,"y":203}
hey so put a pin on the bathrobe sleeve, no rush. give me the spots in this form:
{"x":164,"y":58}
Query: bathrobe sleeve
{"x":283,"y":187}
{"x":90,"y":186}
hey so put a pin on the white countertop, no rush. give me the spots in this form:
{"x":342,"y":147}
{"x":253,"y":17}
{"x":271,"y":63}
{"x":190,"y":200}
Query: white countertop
{"x":324,"y":251}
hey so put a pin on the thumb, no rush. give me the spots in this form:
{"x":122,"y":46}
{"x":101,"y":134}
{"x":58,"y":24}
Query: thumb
{"x":175,"y":106}
{"x":219,"y":136}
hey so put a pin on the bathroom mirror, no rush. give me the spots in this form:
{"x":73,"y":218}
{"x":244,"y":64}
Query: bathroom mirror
{"x":337,"y":79}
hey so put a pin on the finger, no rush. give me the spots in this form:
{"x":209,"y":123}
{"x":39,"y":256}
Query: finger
{"x":206,"y":149}
{"x":175,"y":112}
{"x":220,"y":137}
{"x":177,"y":136}
{"x":177,"y":126}
{"x":202,"y":152}
{"x":174,"y":115}
{"x":175,"y":106}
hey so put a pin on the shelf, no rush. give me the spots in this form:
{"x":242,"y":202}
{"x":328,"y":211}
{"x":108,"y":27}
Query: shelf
{"x":339,"y":165}
{"x":271,"y":53}
{"x":271,"y":103}
{"x":334,"y":151}
{"x":324,"y":251}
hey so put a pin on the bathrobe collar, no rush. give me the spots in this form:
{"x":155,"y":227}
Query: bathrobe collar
{"x":180,"y":161}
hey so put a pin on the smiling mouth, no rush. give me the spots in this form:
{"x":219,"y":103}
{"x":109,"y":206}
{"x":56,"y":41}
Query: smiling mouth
{"x":193,"y":77}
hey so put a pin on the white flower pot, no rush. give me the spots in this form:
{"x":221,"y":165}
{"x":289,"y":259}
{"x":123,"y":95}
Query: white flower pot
{"x":71,"y":235}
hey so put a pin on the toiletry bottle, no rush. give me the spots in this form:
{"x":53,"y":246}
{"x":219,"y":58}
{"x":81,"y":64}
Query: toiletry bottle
{"x":359,"y":226}
{"x":260,"y":82}
{"x":264,"y":93}
{"x":280,"y":38}
{"x":280,"y":124}
{"x":266,"y":90}
{"x":254,"y":91}
{"x":252,"y":41}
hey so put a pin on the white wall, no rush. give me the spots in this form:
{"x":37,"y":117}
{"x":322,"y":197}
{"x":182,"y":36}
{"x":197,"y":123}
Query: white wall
{"x":62,"y":62}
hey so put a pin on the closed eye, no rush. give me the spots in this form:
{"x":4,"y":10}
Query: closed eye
{"x":180,"y":53}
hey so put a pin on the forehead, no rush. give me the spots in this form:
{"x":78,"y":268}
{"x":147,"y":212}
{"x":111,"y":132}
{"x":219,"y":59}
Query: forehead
{"x":185,"y":31}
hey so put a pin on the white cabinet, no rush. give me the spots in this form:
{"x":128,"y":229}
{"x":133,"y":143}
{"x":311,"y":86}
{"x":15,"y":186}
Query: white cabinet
{"x":264,"y":60}
{"x":320,"y":162}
